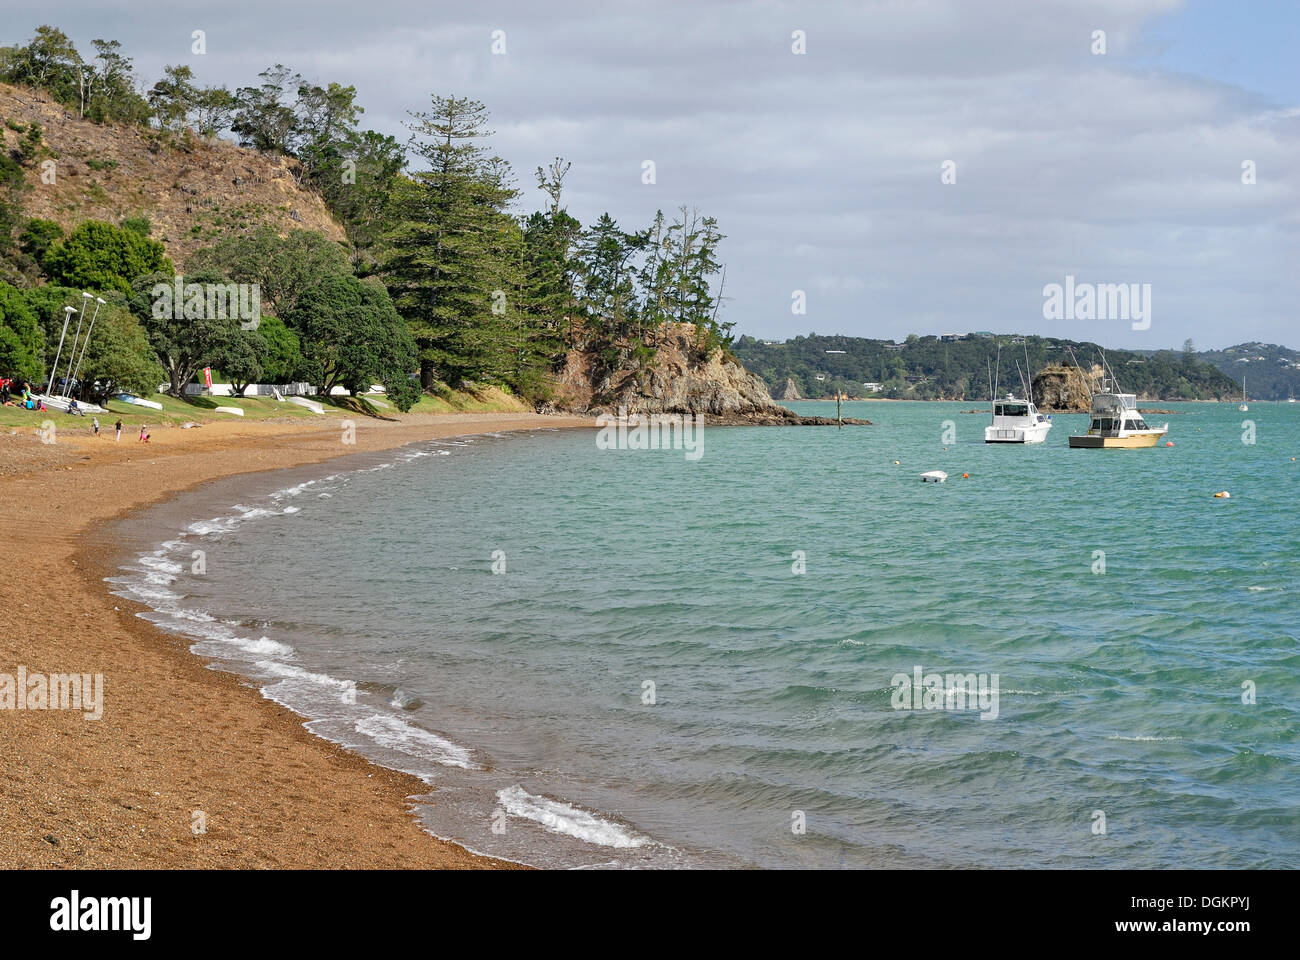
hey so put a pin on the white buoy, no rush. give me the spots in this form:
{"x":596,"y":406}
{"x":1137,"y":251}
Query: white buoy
{"x":934,"y":476}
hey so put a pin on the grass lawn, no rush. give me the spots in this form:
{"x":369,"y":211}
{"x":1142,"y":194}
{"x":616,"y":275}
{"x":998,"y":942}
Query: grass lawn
{"x":203,"y":409}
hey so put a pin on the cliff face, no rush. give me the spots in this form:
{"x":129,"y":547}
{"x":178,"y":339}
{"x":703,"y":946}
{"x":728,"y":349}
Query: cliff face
{"x":1060,"y":389}
{"x":681,"y":379}
{"x":191,"y":190}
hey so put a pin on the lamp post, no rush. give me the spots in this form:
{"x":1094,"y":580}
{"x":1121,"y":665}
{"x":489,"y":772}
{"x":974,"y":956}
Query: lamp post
{"x":67,"y":316}
{"x":99,"y":302}
{"x":67,"y":377}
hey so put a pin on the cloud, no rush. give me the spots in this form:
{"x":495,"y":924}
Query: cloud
{"x":824,"y":169}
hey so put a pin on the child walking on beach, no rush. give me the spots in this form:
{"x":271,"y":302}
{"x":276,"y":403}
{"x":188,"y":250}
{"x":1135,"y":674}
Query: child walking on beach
{"x":95,"y":421}
{"x":143,"y":436}
{"x":118,"y":438}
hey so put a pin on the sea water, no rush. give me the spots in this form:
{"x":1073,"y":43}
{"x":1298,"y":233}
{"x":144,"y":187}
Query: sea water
{"x":628,"y":658}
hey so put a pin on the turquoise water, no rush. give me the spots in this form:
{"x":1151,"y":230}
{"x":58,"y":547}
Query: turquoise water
{"x":520,"y":696}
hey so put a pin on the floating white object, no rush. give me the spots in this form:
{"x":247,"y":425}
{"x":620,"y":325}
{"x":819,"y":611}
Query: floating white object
{"x":934,"y":476}
{"x":1223,"y":495}
{"x":235,"y":410}
{"x":311,"y":405}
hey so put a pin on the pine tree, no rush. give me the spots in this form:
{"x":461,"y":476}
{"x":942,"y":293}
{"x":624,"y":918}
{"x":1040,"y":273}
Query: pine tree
{"x":453,"y":259}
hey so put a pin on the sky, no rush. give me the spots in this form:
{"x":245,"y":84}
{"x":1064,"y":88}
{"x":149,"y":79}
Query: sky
{"x":826,"y":169}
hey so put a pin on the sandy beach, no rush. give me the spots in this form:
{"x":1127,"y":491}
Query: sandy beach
{"x":176,"y":738}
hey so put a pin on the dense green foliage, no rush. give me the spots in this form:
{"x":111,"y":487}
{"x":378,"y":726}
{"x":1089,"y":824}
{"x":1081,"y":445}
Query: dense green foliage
{"x":1270,"y":372}
{"x":98,"y":256}
{"x":21,"y":342}
{"x":931,"y":368}
{"x":351,"y":335}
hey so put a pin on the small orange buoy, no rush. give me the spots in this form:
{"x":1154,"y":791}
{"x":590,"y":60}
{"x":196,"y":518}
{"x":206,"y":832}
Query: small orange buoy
{"x":965,"y":476}
{"x":1169,"y":443}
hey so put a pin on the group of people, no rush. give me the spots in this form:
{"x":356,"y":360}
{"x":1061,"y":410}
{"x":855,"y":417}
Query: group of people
{"x":30,"y":401}
{"x":25,"y":398}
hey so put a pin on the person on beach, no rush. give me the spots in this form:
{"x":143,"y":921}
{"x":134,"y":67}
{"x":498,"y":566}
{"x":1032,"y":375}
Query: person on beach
{"x":118,"y":426}
{"x":143,"y":436}
{"x":94,"y":421}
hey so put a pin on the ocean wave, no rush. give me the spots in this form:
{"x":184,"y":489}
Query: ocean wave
{"x":414,"y":741}
{"x":567,"y":819}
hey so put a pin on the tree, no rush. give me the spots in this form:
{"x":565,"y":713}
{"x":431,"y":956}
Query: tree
{"x":183,"y":339}
{"x":37,"y":236}
{"x":240,"y":359}
{"x":325,"y":117}
{"x":282,"y":267}
{"x":606,"y":283}
{"x":98,"y":256}
{"x":174,"y":97}
{"x":281,"y":355}
{"x":214,"y":108}
{"x":118,"y":358}
{"x":111,"y":86}
{"x":453,"y":258}
{"x":351,"y":334}
{"x":21,"y":343}
{"x":49,"y":62}
{"x":262,"y":117}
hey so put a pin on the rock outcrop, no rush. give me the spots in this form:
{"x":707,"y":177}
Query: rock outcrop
{"x":1062,"y":389}
{"x":682,"y":378}
{"x":787,"y":391}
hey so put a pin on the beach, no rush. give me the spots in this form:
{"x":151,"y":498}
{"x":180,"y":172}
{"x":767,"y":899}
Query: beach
{"x":186,"y":767}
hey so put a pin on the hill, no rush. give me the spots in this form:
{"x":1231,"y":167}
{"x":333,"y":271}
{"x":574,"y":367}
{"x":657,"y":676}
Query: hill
{"x":192,"y":190}
{"x":956,"y":367}
{"x":1271,"y":372}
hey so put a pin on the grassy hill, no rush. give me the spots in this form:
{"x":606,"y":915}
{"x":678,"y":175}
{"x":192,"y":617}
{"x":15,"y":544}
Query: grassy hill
{"x":191,"y":190}
{"x":935,"y":368}
{"x":1271,"y":372}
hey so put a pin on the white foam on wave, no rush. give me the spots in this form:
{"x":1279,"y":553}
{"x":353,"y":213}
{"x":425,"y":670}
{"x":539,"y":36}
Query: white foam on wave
{"x":289,"y":672}
{"x":1262,"y":589}
{"x":567,"y":819}
{"x":415,"y":741}
{"x":1140,"y":739}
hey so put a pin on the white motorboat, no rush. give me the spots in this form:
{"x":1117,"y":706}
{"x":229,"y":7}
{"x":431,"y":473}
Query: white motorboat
{"x":1016,"y":421}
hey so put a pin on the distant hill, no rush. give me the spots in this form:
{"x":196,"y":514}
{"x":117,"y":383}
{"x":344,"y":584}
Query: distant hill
{"x":1271,"y":372}
{"x":955,"y":367}
{"x":192,"y":191}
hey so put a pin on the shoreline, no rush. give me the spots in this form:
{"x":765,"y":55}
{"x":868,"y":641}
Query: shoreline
{"x":179,"y":743}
